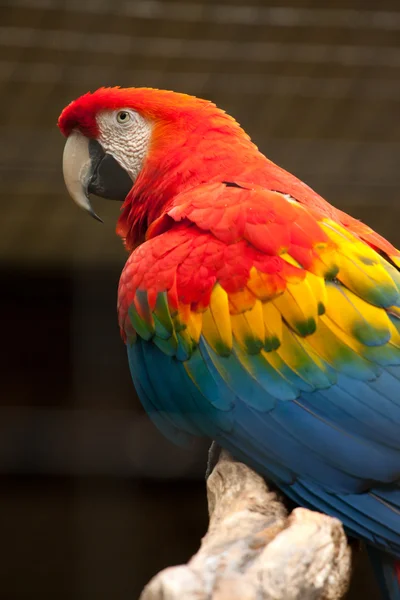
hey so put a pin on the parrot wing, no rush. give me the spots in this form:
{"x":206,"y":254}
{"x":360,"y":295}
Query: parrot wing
{"x":275,"y":330}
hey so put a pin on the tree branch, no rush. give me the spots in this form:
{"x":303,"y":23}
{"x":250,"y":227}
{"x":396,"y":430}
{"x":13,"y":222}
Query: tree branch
{"x":253,"y":550}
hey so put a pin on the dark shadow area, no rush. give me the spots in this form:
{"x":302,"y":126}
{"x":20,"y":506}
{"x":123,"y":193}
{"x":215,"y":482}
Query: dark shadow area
{"x":94,"y":500}
{"x":94,"y":538}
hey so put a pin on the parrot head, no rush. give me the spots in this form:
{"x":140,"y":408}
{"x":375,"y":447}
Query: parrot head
{"x":142,"y":146}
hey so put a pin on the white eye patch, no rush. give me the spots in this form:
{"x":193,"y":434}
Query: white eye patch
{"x":126,"y":136}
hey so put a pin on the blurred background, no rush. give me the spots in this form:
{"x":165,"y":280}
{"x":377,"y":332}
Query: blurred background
{"x":93,"y":500}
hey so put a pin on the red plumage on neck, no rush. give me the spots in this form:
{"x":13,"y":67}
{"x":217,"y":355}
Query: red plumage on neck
{"x":182,"y":156}
{"x":192,"y":142}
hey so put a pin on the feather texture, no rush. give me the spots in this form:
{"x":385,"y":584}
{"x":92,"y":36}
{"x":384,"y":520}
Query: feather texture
{"x":285,"y":325}
{"x":259,"y":315}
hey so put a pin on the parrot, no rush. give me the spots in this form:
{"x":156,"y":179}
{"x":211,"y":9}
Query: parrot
{"x":254,"y":313}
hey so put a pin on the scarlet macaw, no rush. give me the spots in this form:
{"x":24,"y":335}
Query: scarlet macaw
{"x":254,"y":312}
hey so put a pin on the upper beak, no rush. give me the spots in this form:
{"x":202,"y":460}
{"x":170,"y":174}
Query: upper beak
{"x":77,"y":170}
{"x":88,"y":169}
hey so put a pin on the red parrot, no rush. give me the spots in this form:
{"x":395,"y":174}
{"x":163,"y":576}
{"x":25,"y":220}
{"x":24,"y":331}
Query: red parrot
{"x":254,"y":312}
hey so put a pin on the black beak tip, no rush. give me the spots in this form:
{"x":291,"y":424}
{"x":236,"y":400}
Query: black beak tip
{"x":95,"y":216}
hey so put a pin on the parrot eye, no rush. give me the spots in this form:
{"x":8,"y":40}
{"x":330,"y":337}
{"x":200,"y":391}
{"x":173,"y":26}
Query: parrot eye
{"x":123,"y":116}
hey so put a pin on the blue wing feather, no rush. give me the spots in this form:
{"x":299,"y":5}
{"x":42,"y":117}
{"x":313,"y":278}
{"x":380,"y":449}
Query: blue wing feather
{"x":314,"y":460}
{"x":386,"y":572}
{"x":369,"y":526}
{"x":337,"y":406}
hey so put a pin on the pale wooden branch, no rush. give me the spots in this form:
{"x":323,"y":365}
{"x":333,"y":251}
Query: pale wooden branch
{"x":254,"y":551}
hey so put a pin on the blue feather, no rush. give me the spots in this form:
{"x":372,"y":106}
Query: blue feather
{"x":213,"y":389}
{"x":180,"y":396}
{"x":372,"y":526}
{"x":390,"y":495}
{"x":355,"y":407}
{"x":355,"y":456}
{"x":165,"y":382}
{"x":261,"y":433}
{"x":162,"y":422}
{"x":240,"y":382}
{"x":258,"y":368}
{"x":296,"y":443}
{"x":385,"y":571}
{"x":148,"y":398}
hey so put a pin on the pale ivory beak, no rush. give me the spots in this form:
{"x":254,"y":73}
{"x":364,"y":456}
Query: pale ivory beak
{"x":77,"y":170}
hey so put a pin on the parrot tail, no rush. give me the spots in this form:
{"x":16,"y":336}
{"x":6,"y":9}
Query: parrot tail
{"x":387,"y":571}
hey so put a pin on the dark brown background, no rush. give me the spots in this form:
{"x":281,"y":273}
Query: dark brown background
{"x":93,"y":500}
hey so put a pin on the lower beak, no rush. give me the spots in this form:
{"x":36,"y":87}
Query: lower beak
{"x":88,"y":170}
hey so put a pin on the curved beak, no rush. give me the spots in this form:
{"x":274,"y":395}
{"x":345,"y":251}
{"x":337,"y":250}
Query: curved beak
{"x":88,"y":170}
{"x":77,"y":170}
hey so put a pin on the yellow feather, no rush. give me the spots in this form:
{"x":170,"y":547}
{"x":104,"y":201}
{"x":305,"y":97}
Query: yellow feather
{"x":367,"y":279}
{"x":360,"y":267}
{"x":216,"y":326}
{"x":341,"y":351}
{"x":366,"y":322}
{"x":336,"y":232}
{"x":272,"y":325}
{"x":241,"y":301}
{"x":302,"y":361}
{"x":324,"y":262}
{"x":248,"y":329}
{"x":194,"y":325}
{"x":290,"y":260}
{"x":392,"y":271}
{"x":294,"y":353}
{"x":341,"y":335}
{"x":258,"y":285}
{"x":325,"y":342}
{"x":318,"y":287}
{"x":298,"y":307}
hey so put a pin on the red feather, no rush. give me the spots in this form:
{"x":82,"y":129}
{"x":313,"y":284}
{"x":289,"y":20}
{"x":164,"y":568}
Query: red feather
{"x":193,"y":142}
{"x":225,"y":229}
